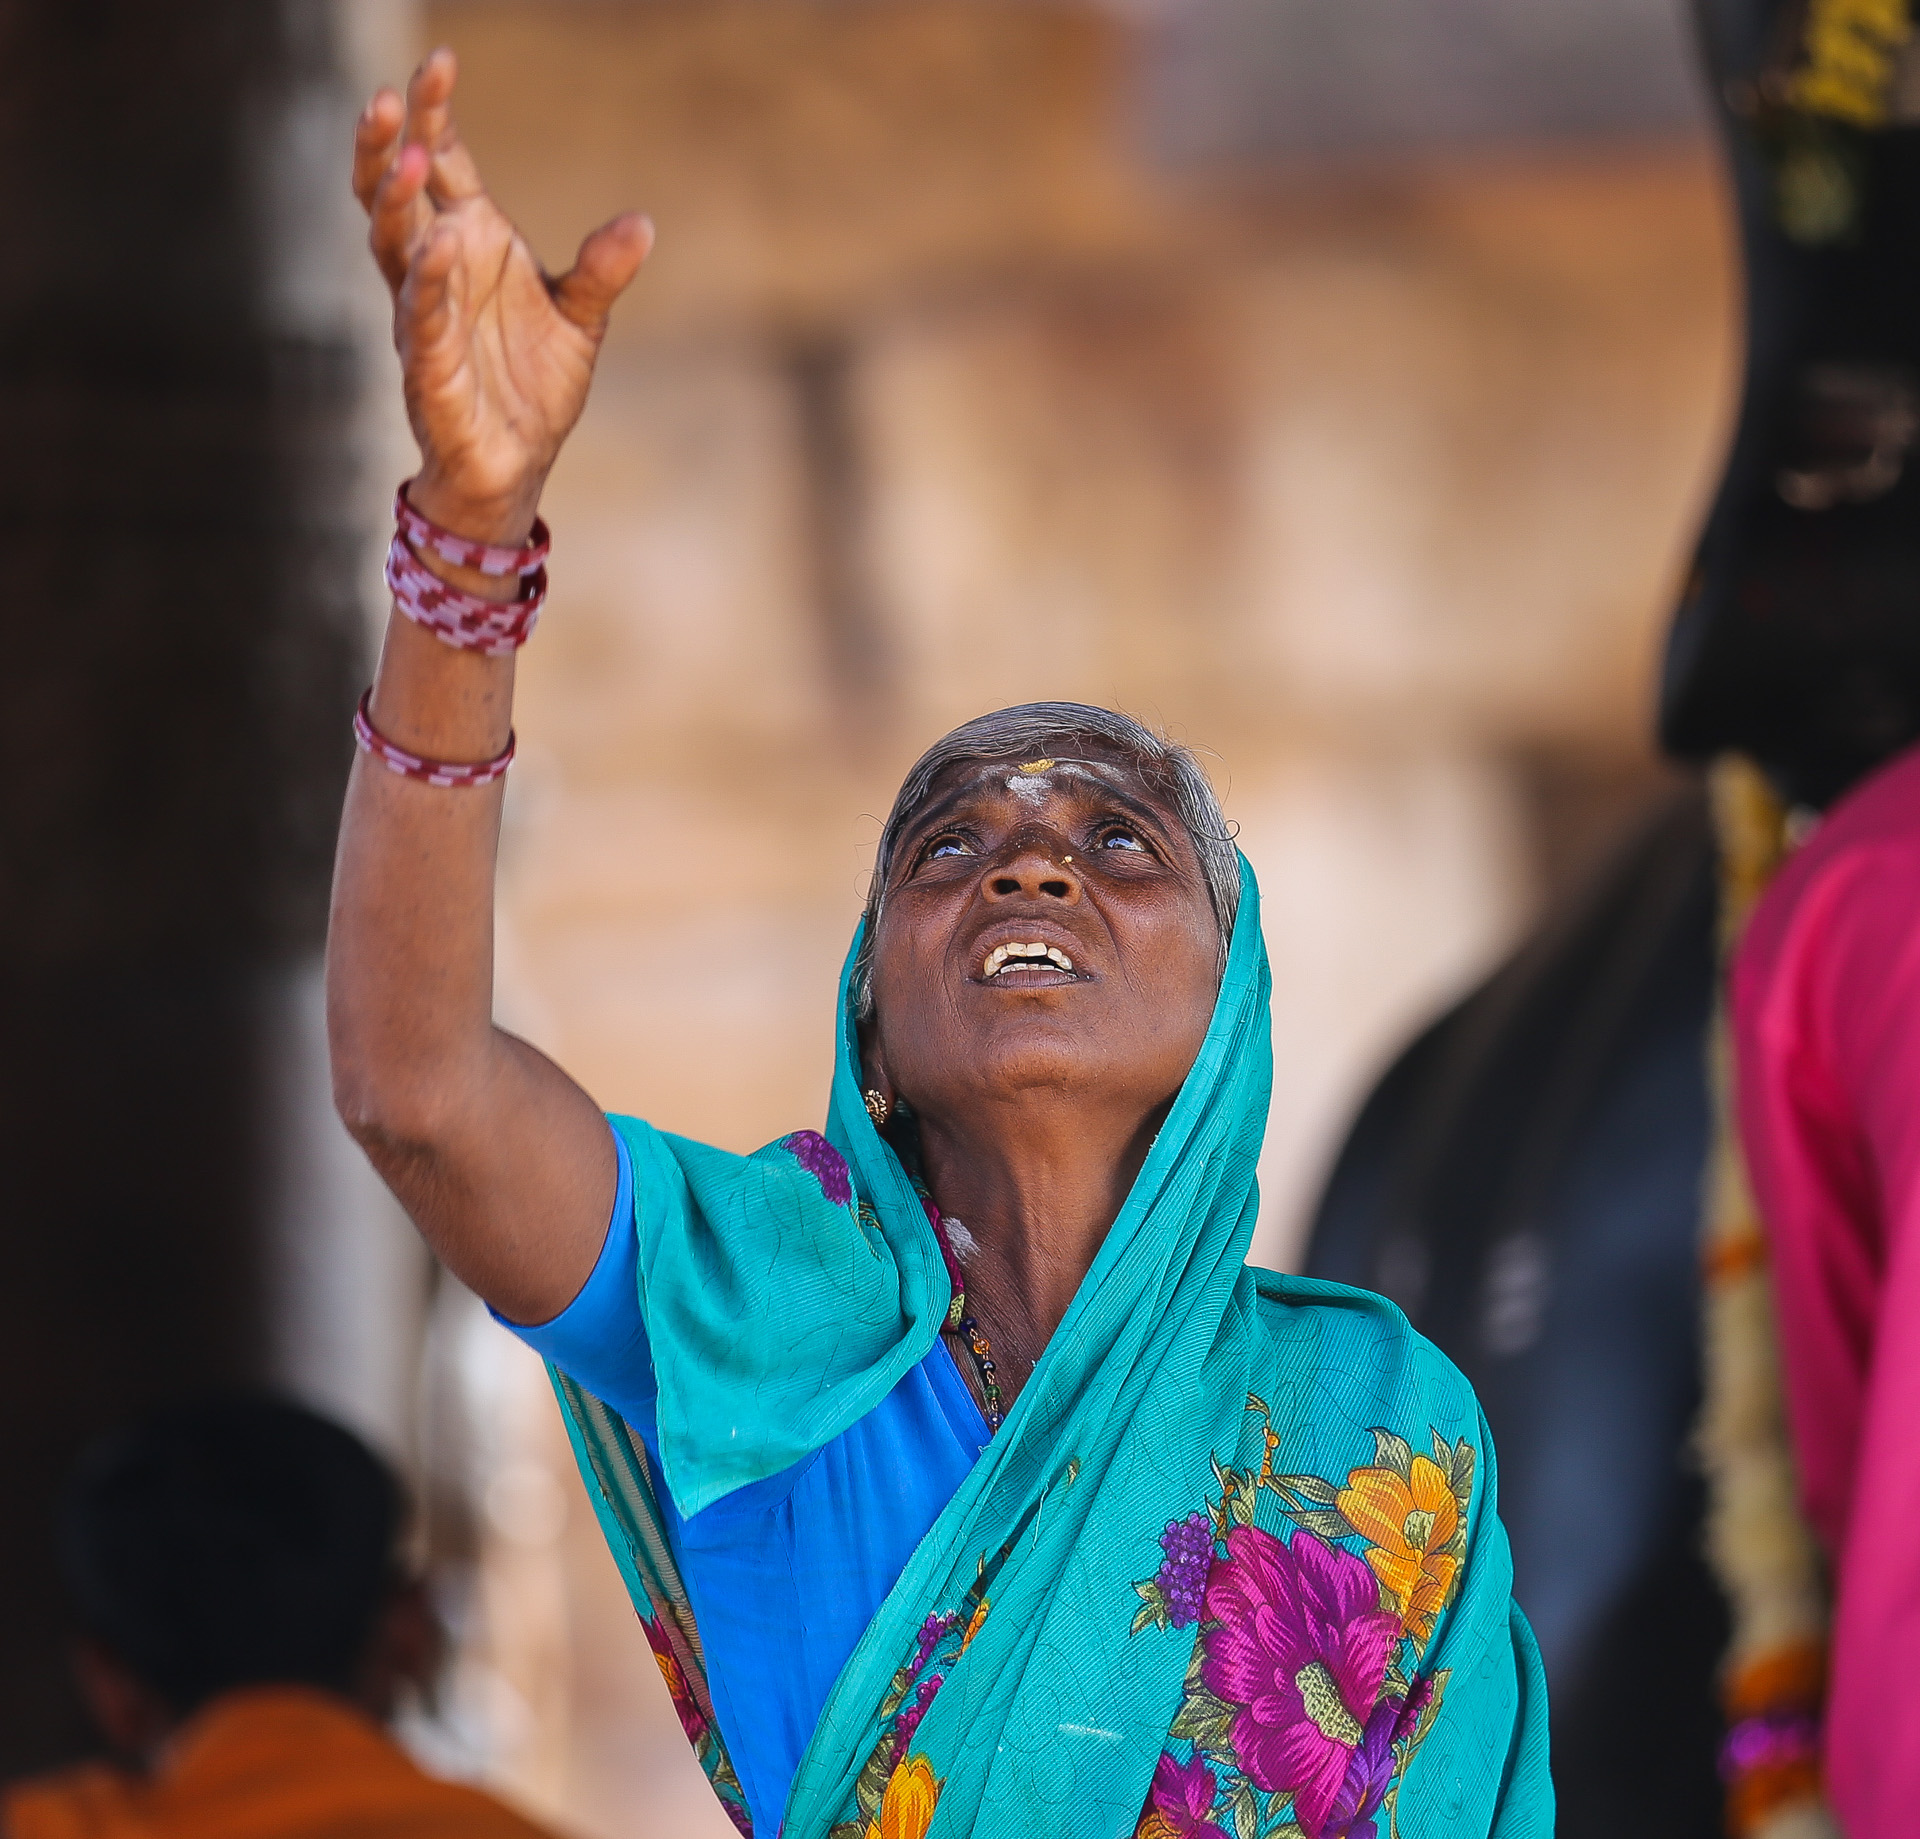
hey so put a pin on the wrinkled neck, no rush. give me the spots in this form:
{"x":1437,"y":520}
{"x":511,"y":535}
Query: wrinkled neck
{"x":1037,"y":1180}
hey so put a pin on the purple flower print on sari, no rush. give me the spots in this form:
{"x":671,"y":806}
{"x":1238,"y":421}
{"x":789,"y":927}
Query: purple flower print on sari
{"x":1369,"y":1776}
{"x":823,"y":1162}
{"x":1370,"y":1773}
{"x":1181,"y":1801}
{"x":1300,"y":1653}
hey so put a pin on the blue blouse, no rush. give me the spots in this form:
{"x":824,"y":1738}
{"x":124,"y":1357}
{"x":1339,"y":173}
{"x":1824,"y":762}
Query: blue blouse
{"x":783,"y":1575}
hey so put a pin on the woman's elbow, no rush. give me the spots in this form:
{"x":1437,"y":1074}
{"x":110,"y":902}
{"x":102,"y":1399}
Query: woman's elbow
{"x":391,"y":1114}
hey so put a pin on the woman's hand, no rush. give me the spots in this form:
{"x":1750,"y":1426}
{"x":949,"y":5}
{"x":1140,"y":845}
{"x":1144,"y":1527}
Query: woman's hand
{"x":497,"y":354}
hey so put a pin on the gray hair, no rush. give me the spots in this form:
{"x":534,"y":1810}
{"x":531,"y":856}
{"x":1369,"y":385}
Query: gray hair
{"x":1032,"y":730}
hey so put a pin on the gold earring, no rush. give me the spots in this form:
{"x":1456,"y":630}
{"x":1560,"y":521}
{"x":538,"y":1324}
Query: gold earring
{"x":877,"y":1107}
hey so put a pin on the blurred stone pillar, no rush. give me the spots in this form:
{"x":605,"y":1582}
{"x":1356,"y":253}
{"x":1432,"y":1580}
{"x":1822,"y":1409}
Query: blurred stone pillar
{"x":186,"y":530}
{"x":345,"y":1275}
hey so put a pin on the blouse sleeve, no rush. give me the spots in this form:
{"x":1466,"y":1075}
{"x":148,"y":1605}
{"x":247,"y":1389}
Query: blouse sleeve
{"x":599,"y":1340}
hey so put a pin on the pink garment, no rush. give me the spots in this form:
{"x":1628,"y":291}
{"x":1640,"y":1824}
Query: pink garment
{"x":1826,"y":1015}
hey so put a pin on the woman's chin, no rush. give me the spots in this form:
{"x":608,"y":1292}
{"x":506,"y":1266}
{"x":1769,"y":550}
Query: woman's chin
{"x":1036,"y":1055}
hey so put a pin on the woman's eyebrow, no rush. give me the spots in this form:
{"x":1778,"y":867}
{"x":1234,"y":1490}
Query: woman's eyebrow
{"x":931,"y":816}
{"x":926,"y":818}
{"x":1155,"y":818}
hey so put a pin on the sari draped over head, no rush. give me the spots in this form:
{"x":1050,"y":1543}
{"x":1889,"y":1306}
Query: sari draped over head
{"x":1229,"y":1570}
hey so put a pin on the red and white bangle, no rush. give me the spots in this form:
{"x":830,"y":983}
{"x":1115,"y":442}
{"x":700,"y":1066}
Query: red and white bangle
{"x":465,"y":551}
{"x":412,"y":766}
{"x":468,"y":622}
{"x":465,"y":621}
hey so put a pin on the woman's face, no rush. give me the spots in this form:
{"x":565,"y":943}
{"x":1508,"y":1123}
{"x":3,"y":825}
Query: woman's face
{"x":1043,"y":928}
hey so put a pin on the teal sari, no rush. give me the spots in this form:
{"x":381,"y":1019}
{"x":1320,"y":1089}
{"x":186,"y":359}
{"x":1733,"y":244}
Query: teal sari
{"x":1230,"y":1569}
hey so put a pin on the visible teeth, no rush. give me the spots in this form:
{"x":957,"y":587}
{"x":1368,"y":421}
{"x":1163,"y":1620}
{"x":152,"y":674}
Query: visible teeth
{"x":1003,"y":955}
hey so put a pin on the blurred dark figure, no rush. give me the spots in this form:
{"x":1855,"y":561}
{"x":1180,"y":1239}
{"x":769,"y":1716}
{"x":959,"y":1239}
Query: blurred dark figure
{"x":1527,"y":1179}
{"x":1798,"y":646}
{"x":245,"y":1629}
{"x":1525,"y":1183}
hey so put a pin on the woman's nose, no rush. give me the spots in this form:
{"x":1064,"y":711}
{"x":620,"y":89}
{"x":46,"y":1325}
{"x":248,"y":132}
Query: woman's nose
{"x":1035,"y":872}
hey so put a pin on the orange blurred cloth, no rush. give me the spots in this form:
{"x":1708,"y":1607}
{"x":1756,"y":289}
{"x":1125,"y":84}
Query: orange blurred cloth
{"x":279,"y":1762}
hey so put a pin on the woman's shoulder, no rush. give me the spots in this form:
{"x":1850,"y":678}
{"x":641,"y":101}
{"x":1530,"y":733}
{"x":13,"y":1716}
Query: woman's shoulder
{"x":1355,"y":1354}
{"x":1290,"y":1306}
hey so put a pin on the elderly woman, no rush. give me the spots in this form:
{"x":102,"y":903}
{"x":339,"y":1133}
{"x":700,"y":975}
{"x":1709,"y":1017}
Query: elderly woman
{"x":965,"y":1478}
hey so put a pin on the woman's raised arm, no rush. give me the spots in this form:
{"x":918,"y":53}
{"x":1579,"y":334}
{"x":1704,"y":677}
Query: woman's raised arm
{"x":503,"y":1162}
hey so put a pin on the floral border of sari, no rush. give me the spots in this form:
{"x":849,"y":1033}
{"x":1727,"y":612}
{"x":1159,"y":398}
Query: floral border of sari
{"x":621,"y":1485}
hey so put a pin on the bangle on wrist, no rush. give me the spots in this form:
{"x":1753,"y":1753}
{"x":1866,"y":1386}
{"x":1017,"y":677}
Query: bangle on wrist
{"x":468,"y":552}
{"x":415,"y":766}
{"x":467,"y":622}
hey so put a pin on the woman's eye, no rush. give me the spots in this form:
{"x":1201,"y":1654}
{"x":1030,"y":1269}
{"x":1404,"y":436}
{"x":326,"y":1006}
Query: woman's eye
{"x":1119,"y":837}
{"x":945,"y":846}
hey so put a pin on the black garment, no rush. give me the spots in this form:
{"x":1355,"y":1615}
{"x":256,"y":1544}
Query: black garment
{"x":1525,"y":1182}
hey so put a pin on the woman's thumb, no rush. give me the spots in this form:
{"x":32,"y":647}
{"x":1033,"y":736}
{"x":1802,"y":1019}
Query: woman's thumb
{"x":608,"y":260}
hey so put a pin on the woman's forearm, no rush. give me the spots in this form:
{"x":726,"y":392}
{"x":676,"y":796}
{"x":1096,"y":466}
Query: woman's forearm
{"x":410,"y":948}
{"x":503,"y":1162}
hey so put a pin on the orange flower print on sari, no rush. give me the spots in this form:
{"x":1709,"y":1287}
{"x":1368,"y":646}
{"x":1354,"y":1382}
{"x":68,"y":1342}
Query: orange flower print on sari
{"x":896,"y":1791}
{"x":906,"y":1810}
{"x":1411,"y":1511}
{"x":692,"y":1719}
{"x":1409,"y":1523}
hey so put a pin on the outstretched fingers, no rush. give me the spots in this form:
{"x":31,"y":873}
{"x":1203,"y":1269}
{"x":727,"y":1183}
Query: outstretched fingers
{"x":607,"y":262}
{"x":375,"y":135}
{"x":391,"y":198}
{"x":454,"y":177}
{"x":400,"y":214}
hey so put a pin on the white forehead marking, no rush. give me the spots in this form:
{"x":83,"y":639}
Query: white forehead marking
{"x":1033,"y":787}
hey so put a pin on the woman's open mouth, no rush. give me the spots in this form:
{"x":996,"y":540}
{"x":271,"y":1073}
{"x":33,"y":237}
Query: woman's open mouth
{"x":1025,"y":964}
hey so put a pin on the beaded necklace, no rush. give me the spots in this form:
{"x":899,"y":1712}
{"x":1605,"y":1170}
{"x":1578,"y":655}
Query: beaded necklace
{"x":982,"y":1351}
{"x":960,"y":1322}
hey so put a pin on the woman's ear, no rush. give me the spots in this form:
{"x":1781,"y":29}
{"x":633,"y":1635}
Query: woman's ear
{"x":876,"y":1086}
{"x":876,"y":1093}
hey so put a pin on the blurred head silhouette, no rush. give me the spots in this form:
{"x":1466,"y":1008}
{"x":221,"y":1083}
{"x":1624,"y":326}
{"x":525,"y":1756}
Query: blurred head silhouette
{"x":242,"y":1541}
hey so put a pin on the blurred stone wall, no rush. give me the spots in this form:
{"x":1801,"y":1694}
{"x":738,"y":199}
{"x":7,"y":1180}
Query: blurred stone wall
{"x":1370,"y":475}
